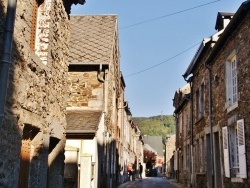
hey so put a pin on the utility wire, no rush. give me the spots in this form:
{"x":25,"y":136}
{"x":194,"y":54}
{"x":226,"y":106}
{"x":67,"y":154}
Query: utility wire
{"x":153,"y":19}
{"x":133,"y":74}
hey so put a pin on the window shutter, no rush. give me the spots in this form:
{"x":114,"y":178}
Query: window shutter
{"x":241,"y":148}
{"x":226,"y":151}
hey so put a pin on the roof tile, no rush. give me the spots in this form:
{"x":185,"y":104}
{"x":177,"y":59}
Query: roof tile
{"x":91,"y":38}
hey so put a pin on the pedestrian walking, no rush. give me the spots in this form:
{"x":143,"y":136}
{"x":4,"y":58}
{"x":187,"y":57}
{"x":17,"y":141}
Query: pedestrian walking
{"x":134,"y":172}
{"x":140,"y":170}
{"x":130,"y":171}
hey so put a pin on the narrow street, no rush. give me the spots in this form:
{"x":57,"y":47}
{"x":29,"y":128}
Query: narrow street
{"x":151,"y":182}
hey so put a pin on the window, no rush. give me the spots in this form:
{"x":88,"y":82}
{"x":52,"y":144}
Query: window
{"x":231,"y":82}
{"x":234,"y":150}
{"x":200,"y":106}
{"x":180,"y":125}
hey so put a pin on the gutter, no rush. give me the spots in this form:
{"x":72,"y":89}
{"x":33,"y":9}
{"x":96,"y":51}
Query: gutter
{"x":237,"y":18}
{"x":6,"y":56}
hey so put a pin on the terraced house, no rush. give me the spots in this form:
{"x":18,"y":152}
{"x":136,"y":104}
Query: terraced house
{"x":219,"y":79}
{"x":101,"y":138}
{"x":33,"y":81}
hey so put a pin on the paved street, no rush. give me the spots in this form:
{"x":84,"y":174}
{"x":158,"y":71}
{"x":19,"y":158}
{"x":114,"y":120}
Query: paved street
{"x":151,"y":182}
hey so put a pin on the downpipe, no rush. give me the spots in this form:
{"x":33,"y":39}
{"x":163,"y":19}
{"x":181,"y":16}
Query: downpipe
{"x":6,"y":55}
{"x":211,"y":125}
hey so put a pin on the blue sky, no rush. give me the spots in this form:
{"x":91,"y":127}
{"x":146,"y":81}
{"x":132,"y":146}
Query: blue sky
{"x":153,"y":35}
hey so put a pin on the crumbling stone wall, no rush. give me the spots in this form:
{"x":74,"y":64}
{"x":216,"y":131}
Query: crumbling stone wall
{"x":36,"y":98}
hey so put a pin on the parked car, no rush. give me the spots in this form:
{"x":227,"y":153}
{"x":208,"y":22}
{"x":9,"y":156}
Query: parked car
{"x":151,"y":172}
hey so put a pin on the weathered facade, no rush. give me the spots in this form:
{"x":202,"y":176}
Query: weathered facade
{"x":94,"y":87}
{"x":32,"y":129}
{"x":169,"y":151}
{"x":130,"y":150}
{"x":219,"y":76}
{"x":182,"y":160}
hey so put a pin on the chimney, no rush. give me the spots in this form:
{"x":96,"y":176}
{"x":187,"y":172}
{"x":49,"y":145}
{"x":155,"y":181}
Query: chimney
{"x":223,"y":18}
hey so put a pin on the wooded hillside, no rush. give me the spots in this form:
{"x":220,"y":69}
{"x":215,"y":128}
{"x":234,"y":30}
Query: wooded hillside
{"x":161,"y":125}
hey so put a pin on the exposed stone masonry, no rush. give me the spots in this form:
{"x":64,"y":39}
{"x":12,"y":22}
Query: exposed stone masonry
{"x":36,"y":98}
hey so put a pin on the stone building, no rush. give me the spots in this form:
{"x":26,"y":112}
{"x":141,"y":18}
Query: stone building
{"x":182,"y":165}
{"x":169,"y":151}
{"x":219,"y":76}
{"x":32,"y":118}
{"x":95,"y":87}
{"x":130,"y":150}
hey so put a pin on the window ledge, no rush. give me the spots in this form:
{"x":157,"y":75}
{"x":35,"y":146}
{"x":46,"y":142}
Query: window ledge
{"x":229,"y":109}
{"x":235,"y":180}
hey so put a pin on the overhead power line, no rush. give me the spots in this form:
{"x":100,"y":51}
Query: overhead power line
{"x":133,"y":74}
{"x":167,"y":15}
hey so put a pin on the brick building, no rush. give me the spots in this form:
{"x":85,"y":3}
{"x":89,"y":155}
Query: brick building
{"x":219,"y":76}
{"x":32,"y":122}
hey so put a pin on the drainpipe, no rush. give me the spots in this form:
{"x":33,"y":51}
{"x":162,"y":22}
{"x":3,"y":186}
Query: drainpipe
{"x":190,"y":81}
{"x":210,"y":124}
{"x":6,"y":55}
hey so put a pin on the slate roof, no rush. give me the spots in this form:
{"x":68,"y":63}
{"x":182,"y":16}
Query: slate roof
{"x":82,"y":121}
{"x":92,"y":38}
{"x":147,"y":147}
{"x":154,"y":142}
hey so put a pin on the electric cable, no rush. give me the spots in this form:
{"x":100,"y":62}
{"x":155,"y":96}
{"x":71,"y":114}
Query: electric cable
{"x":171,"y":14}
{"x":133,"y":74}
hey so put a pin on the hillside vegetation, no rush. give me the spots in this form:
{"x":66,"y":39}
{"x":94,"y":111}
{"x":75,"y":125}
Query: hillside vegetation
{"x":161,"y":125}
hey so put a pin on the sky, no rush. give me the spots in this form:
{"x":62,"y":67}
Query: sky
{"x":157,"y":41}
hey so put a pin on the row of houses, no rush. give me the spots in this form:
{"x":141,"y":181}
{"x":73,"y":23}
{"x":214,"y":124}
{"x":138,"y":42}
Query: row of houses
{"x":64,"y":121}
{"x":212,"y":110}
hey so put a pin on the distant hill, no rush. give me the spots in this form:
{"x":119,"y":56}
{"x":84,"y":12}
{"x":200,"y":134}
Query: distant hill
{"x":161,"y":125}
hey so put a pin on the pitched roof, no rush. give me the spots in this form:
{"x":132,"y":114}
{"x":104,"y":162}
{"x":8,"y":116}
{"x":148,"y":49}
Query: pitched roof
{"x":154,"y":142}
{"x":82,"y":121}
{"x":92,"y":39}
{"x":237,"y":19}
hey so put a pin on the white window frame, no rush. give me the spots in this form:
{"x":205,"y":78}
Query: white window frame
{"x":180,"y":124}
{"x":231,"y":82}
{"x":226,"y":151}
{"x":241,"y":149}
{"x":238,"y":165}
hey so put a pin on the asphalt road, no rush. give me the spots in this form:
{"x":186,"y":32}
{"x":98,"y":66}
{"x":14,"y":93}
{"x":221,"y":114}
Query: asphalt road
{"x":151,"y":182}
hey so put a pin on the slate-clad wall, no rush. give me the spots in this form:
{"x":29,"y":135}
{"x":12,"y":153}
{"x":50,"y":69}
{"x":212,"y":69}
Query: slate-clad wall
{"x":36,"y":97}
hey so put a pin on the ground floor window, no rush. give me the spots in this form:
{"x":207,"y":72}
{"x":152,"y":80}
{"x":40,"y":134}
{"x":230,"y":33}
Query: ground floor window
{"x":234,"y":150}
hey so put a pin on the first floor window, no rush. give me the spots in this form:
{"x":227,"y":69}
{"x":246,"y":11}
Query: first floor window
{"x":231,"y":81}
{"x":234,"y":150}
{"x":200,"y":101}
